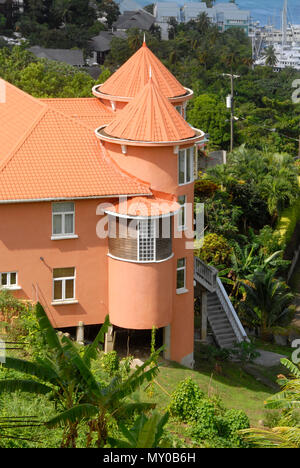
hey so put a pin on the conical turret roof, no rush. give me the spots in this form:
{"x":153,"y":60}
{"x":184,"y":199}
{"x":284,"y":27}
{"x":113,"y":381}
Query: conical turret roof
{"x":132,"y":76}
{"x":150,"y":117}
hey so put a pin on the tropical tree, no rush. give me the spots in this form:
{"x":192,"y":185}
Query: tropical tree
{"x":268,"y":302}
{"x":66,"y":375}
{"x":203,"y":23}
{"x":273,"y":175}
{"x":248,"y":260}
{"x":287,"y":433}
{"x":209,"y":113}
{"x":147,"y":432}
{"x":270,"y":56}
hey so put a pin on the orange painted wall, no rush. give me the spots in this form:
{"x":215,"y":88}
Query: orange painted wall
{"x":25,"y":232}
{"x":136,"y":296}
{"x":156,"y":165}
{"x":140,"y":295}
{"x":159,"y":167}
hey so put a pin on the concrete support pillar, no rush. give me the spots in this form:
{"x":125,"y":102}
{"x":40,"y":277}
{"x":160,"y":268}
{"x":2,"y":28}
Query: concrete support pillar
{"x":204,"y":315}
{"x":80,"y":333}
{"x":109,"y":340}
{"x":167,"y":342}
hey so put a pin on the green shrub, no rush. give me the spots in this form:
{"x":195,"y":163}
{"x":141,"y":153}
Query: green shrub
{"x":212,"y":354}
{"x":110,"y":362}
{"x":215,"y":250}
{"x":205,"y":425}
{"x":22,"y":324}
{"x":217,"y":427}
{"x":185,"y":400}
{"x":205,"y":188}
{"x":125,"y":367}
{"x":230,"y":423}
{"x":10,"y":307}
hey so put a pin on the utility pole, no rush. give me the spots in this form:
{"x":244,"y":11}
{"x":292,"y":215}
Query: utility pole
{"x":232,"y":78}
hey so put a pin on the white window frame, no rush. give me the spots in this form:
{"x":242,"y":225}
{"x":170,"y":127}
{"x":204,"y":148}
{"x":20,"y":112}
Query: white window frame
{"x":182,"y":289}
{"x":191,"y":165}
{"x":63,"y":279}
{"x":63,"y":234}
{"x":153,"y":222}
{"x":182,"y":227}
{"x":9,"y":285}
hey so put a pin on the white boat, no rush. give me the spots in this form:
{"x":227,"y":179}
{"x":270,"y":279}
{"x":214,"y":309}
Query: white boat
{"x":286,"y":51}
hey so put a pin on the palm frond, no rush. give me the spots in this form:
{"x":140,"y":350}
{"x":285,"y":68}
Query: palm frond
{"x":91,"y":350}
{"x":294,"y":370}
{"x":71,"y":353}
{"x":30,"y":386}
{"x":72,"y":415}
{"x":47,"y":329}
{"x":31,"y":368}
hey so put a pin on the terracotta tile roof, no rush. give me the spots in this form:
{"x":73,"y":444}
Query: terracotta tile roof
{"x":150,"y":117}
{"x":132,"y":76}
{"x":89,"y":111}
{"x":50,"y":155}
{"x":18,"y":113}
{"x":145,"y":206}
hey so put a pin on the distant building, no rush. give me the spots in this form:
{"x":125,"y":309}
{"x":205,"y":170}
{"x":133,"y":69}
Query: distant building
{"x":164,"y":12}
{"x":225,"y":15}
{"x":100,"y":45}
{"x":140,"y":19}
{"x":69,"y":56}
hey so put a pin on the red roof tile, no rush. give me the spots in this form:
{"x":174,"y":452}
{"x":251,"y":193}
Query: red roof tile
{"x":89,"y":111}
{"x":18,"y":113}
{"x":132,"y":76}
{"x":50,"y":155}
{"x":150,"y":117}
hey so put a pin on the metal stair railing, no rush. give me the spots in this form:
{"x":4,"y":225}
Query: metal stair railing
{"x":229,"y":310}
{"x":207,"y":276}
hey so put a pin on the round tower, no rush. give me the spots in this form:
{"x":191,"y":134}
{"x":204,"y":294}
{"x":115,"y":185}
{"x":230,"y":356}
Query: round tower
{"x":150,"y":266}
{"x":126,"y":83}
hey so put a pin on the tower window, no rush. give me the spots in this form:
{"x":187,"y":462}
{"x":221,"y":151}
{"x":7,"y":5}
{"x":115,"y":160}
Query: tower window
{"x":185,"y":166}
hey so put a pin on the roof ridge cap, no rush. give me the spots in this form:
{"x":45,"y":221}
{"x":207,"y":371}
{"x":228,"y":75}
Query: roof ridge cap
{"x":23,"y":138}
{"x":20,"y":91}
{"x":44,"y":111}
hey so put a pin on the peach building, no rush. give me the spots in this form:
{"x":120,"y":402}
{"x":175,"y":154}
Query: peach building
{"x":93,"y":195}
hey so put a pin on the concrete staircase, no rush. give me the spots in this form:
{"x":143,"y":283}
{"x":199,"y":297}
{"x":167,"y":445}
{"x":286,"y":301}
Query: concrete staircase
{"x":222,"y":317}
{"x":222,"y":329}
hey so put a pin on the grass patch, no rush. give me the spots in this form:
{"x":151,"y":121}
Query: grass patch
{"x":235,"y":387}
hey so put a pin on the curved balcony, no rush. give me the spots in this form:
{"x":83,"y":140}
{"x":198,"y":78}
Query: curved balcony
{"x":140,"y":240}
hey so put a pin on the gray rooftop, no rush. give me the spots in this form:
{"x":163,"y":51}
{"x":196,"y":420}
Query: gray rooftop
{"x":101,"y":43}
{"x":70,"y":56}
{"x":140,"y":19}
